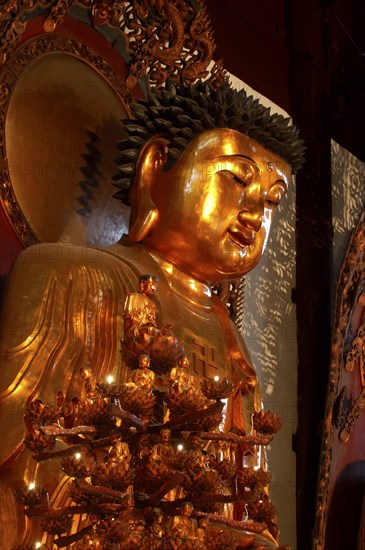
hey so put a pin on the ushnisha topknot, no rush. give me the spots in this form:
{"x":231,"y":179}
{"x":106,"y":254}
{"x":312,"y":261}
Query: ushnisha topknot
{"x":182,"y":113}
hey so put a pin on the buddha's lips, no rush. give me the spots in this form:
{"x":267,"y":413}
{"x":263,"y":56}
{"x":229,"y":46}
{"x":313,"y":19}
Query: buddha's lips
{"x":241,"y":238}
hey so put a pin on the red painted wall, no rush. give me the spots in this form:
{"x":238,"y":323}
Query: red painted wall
{"x":10,"y":245}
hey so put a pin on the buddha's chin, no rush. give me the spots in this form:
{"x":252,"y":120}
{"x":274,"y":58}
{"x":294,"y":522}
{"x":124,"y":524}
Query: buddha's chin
{"x":235,"y":262}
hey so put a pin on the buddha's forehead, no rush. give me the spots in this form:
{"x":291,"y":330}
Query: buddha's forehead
{"x":223,"y":145}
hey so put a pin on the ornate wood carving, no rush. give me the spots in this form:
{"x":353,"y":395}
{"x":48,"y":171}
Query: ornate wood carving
{"x":348,"y":355}
{"x":177,"y":41}
{"x":165,"y":38}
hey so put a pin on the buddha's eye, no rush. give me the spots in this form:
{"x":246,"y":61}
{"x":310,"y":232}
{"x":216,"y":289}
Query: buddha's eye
{"x":275,"y":194}
{"x":233,"y":177}
{"x":242,"y":175}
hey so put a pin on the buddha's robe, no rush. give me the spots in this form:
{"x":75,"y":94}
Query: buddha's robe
{"x":63,"y":310}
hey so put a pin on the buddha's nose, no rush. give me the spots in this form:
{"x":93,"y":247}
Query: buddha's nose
{"x":251,"y":218}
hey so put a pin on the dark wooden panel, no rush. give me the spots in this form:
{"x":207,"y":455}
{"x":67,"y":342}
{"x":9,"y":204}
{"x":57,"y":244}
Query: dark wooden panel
{"x":251,"y":39}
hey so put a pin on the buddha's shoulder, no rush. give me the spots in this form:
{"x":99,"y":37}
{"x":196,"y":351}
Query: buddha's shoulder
{"x":54,"y":274}
{"x":66,"y":257}
{"x":56,"y":269}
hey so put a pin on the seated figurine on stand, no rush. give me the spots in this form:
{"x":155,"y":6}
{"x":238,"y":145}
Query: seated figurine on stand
{"x":162,"y":450}
{"x":182,"y":527}
{"x":137,"y":394}
{"x":140,"y":326}
{"x":180,"y":378}
{"x":161,"y":464}
{"x":140,"y":311}
{"x":184,"y":393}
{"x":143,"y":377}
{"x":201,"y":530}
{"x":119,"y":453}
{"x":157,"y":531}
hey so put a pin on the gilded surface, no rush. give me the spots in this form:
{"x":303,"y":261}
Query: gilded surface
{"x":206,"y":219}
{"x":18,"y":165}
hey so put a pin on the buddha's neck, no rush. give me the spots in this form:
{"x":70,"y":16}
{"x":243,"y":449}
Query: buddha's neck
{"x":184,"y":284}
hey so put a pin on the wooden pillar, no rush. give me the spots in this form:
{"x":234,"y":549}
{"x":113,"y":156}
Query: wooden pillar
{"x":308,"y":35}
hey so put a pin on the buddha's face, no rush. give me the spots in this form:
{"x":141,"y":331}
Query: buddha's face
{"x":158,"y":516}
{"x":187,"y":510}
{"x":144,"y":361}
{"x":129,"y":503}
{"x":165,"y":436}
{"x":184,"y":362}
{"x":148,"y":286}
{"x":216,"y":205}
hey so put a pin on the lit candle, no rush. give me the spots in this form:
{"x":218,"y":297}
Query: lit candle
{"x":216,"y":379}
{"x":37,"y":545}
{"x":78,"y":456}
{"x":31,"y":486}
{"x":110,"y":379}
{"x":180,"y":447}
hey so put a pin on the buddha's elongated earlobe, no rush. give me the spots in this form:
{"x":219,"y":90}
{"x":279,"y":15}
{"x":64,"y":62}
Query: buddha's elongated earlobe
{"x":144,"y":213}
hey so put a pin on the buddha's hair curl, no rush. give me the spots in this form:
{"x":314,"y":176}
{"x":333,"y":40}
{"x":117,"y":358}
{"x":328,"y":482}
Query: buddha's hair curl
{"x":182,"y":113}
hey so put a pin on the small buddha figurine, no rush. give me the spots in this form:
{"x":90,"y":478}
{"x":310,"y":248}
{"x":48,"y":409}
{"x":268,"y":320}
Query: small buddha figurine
{"x":133,"y":518}
{"x":140,"y":314}
{"x":143,"y":377}
{"x":141,"y":332}
{"x":162,"y":459}
{"x":119,"y":453}
{"x":182,"y":526}
{"x":201,"y":530}
{"x":180,"y":379}
{"x":163,"y":449}
{"x":157,"y":531}
{"x":140,"y":310}
{"x":90,"y":383}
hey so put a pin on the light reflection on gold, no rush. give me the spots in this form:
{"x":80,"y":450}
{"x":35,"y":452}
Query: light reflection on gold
{"x":74,"y":313}
{"x":46,"y":162}
{"x":209,"y":206}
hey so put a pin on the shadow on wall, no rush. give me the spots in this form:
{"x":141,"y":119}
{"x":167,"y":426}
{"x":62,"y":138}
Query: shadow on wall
{"x":344,"y":515}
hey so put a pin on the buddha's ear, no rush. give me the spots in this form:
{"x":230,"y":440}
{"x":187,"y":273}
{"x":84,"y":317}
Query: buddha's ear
{"x":144,"y":213}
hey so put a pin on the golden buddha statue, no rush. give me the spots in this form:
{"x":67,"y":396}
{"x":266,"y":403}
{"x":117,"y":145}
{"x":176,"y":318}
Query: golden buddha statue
{"x":157,"y":530}
{"x":201,"y":530}
{"x":119,"y":453}
{"x":180,"y":378}
{"x":203,"y":171}
{"x":140,"y":311}
{"x":182,"y":526}
{"x":140,"y":326}
{"x":134,"y":520}
{"x":163,"y":450}
{"x":143,"y":377}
